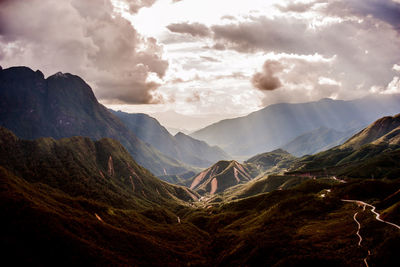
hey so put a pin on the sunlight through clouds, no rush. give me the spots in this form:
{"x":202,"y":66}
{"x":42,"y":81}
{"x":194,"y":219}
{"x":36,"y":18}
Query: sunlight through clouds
{"x":207,"y":56}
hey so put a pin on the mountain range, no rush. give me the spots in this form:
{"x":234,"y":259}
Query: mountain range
{"x":317,"y":140}
{"x":373,"y":152}
{"x":226,"y":174}
{"x":63,"y":105}
{"x":278,"y":125}
{"x":181,"y":146}
{"x":73,"y":191}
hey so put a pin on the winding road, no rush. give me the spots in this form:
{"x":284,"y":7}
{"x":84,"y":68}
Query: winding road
{"x":373,"y":208}
{"x":377,"y":217}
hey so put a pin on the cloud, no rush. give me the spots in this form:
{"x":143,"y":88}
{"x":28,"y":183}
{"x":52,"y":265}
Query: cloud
{"x":134,"y":6}
{"x":385,"y":10}
{"x":393,"y":87}
{"x":364,"y":50}
{"x":228,"y":17}
{"x":195,"y":97}
{"x":235,"y":75}
{"x":296,"y":7}
{"x":279,"y":34}
{"x":194,"y":29}
{"x":86,"y":38}
{"x":219,"y":46}
{"x":210,"y":59}
{"x":266,"y":79}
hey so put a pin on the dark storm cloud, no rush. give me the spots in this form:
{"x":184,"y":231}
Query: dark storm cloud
{"x":194,"y":29}
{"x":266,"y":80}
{"x":85,"y":38}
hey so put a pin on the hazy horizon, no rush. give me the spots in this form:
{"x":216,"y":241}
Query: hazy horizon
{"x":208,"y":59}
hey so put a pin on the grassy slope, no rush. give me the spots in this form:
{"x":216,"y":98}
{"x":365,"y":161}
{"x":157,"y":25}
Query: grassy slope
{"x":45,"y":226}
{"x":51,"y":191}
{"x":297,"y":227}
{"x":293,"y":227}
{"x":373,"y":152}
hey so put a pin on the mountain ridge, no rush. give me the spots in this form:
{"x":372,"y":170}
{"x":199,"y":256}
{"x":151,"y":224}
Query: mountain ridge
{"x":64,"y":105}
{"x":275,"y":125}
{"x":181,"y":146}
{"x":104,"y":164}
{"x":220,"y":176}
{"x":320,"y":139}
{"x":372,"y":152}
{"x":377,"y":130}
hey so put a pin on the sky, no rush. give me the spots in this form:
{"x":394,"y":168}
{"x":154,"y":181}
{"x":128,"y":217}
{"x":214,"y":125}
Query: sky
{"x":193,"y":62}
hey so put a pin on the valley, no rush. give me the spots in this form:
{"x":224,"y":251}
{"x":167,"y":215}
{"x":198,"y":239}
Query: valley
{"x":75,"y":185}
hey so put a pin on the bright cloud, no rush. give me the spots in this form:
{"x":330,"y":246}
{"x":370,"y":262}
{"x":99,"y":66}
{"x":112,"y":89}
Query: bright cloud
{"x":207,"y":57}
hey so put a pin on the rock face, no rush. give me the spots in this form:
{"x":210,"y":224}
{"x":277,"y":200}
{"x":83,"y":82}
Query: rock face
{"x":63,"y":105}
{"x":220,"y":176}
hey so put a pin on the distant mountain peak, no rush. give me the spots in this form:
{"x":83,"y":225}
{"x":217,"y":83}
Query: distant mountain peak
{"x":61,"y":75}
{"x":326,"y":99}
{"x":277,"y":125}
{"x":280,"y":151}
{"x":180,"y":134}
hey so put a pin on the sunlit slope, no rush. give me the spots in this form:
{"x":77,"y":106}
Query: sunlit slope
{"x":220,"y":176}
{"x":373,"y":152}
{"x":271,"y":162}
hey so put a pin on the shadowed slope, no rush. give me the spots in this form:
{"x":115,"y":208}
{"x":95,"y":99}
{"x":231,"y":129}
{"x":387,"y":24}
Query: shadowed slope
{"x":102,"y":170}
{"x":181,"y":147}
{"x":316,"y":141}
{"x":63,"y":105}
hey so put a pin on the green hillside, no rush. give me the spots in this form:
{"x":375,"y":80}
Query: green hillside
{"x":63,"y":105}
